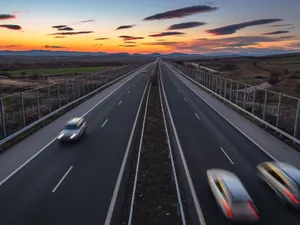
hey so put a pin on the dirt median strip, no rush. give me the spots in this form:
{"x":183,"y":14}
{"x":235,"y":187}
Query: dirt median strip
{"x":156,"y":199}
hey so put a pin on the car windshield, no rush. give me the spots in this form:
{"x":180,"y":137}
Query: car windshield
{"x":70,"y":127}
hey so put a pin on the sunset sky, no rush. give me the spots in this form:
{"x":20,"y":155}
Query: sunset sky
{"x":144,"y":26}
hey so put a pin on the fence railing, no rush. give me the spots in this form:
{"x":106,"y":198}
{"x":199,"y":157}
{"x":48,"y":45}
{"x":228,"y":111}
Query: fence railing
{"x":22,"y":109}
{"x":277,"y":111}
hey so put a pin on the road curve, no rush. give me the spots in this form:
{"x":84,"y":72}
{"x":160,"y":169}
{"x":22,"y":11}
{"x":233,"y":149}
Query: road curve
{"x":73,"y":184}
{"x":208,"y":141}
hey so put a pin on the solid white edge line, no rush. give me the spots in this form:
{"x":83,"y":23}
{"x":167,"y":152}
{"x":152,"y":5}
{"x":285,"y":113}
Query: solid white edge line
{"x":62,"y":179}
{"x":120,"y":102}
{"x":182,"y":214}
{"x":249,"y":138}
{"x":47,"y":145}
{"x":197,"y":116}
{"x":118,"y":183}
{"x":188,"y":175}
{"x":184,"y":99}
{"x":138,"y":160}
{"x":226,"y":155}
{"x":104,"y":123}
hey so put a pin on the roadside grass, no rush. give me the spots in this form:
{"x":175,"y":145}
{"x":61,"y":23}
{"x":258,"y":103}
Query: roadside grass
{"x":56,"y":71}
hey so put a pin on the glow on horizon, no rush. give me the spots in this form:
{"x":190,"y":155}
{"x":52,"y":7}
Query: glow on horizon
{"x":37,"y":18}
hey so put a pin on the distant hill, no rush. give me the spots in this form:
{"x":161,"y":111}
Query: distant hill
{"x":175,"y":55}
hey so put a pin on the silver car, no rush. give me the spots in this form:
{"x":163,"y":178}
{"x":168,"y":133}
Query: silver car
{"x":282,"y":178}
{"x":232,"y":197}
{"x":73,"y":130}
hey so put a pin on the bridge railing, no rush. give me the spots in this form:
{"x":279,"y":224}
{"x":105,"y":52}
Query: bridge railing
{"x":276,"y":111}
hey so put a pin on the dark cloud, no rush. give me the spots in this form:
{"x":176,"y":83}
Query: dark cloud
{"x":129,"y":42}
{"x":59,"y":26}
{"x":277,"y":32}
{"x":65,"y":29}
{"x":59,"y":37}
{"x":128,"y":46}
{"x":282,"y":25}
{"x":179,"y":13}
{"x":9,"y":46}
{"x":11,"y":26}
{"x":180,"y":26}
{"x":101,"y":39}
{"x":7,"y":17}
{"x":231,"y":29}
{"x":287,"y":37}
{"x":125,"y":27}
{"x":163,"y":34}
{"x":73,"y":33}
{"x":130,"y":38}
{"x":53,"y":46}
{"x":165,"y":43}
{"x":87,"y":21}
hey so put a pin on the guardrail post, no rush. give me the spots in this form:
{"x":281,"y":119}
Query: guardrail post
{"x":3,"y":117}
{"x":220,"y":86}
{"x":296,"y":119}
{"x":230,"y":91}
{"x":253,"y":101}
{"x":23,"y":109}
{"x":58,"y":94}
{"x":38,"y":109}
{"x":67,"y":92}
{"x":244,"y":98}
{"x":225,"y":87}
{"x":49,"y":100}
{"x":237,"y":93}
{"x":265,"y":105}
{"x":73,"y":92}
{"x":216,"y":88}
{"x":278,"y":110}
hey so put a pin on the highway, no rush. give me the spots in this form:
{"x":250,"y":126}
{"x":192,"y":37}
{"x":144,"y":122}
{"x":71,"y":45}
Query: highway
{"x":74,"y":184}
{"x":208,"y":141}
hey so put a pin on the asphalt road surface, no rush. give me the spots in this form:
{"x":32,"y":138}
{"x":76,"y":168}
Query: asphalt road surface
{"x":208,"y":141}
{"x":73,"y":184}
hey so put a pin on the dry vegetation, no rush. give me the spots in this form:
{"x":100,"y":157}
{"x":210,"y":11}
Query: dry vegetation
{"x":10,"y":65}
{"x":281,"y":71}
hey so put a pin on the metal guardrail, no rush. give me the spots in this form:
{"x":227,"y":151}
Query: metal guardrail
{"x":276,"y":111}
{"x":15,"y":134}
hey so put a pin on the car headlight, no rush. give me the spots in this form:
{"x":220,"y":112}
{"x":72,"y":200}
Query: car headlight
{"x":73,"y":135}
{"x":60,"y":136}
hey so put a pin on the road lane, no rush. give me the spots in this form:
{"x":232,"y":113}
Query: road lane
{"x":83,"y":197}
{"x":203,"y":140}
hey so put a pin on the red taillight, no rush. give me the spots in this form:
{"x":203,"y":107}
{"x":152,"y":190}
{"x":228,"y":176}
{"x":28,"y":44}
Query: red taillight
{"x":227,"y":208}
{"x":288,"y":193}
{"x":252,"y":209}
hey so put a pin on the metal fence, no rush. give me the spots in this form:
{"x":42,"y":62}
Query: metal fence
{"x":277,"y":109}
{"x":21,"y":109}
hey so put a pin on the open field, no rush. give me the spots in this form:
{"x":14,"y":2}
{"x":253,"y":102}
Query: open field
{"x":55,"y":71}
{"x":281,"y":71}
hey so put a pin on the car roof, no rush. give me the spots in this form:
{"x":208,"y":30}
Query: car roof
{"x":74,"y":120}
{"x":235,"y":187}
{"x":289,"y":170}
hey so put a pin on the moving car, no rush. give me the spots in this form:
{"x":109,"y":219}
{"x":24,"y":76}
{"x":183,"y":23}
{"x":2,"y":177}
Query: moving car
{"x":232,"y":197}
{"x":144,"y":71}
{"x":282,"y":178}
{"x":73,"y":130}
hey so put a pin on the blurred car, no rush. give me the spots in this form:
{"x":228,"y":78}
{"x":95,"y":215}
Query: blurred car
{"x":144,"y":71}
{"x":232,"y":197}
{"x":73,"y":130}
{"x":282,"y":178}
